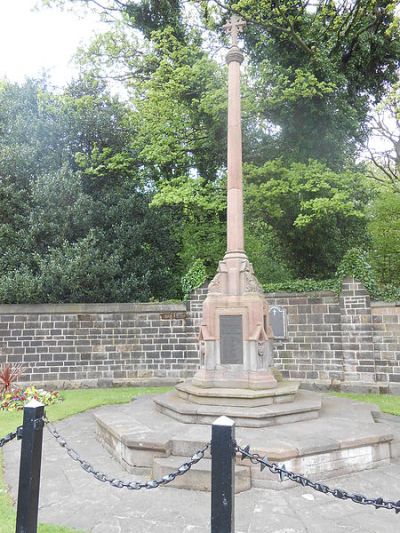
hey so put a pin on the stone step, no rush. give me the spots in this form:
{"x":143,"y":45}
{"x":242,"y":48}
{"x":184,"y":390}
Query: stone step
{"x":306,"y":407}
{"x":199,"y":476}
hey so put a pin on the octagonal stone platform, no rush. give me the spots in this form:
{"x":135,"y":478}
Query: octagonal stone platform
{"x":248,"y":408}
{"x":343,"y":439}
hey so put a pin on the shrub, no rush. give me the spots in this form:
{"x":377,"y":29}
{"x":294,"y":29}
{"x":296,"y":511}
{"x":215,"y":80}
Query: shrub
{"x":195,"y":276}
{"x":355,"y":263}
{"x":9,"y":373}
{"x":301,"y":285}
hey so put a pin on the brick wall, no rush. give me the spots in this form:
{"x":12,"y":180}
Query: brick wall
{"x":386,"y":327}
{"x":89,"y":344}
{"x":346,"y":342}
{"x":312,"y":349}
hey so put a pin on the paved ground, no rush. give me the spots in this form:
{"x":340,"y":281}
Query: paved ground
{"x":71,"y":497}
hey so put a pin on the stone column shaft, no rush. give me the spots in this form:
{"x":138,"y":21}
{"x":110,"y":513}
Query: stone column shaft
{"x":235,"y":231}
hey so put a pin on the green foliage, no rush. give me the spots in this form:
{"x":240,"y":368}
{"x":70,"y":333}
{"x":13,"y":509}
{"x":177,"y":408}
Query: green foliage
{"x":302,"y":285}
{"x":387,"y":293}
{"x":181,"y":111}
{"x":355,"y":264}
{"x":152,"y":15}
{"x":82,"y":230}
{"x":198,"y":209}
{"x":20,"y":286}
{"x":194,"y":277}
{"x":103,"y":200}
{"x":384,"y":228}
{"x":264,"y":250}
{"x":317,"y":69}
{"x":315,"y":212}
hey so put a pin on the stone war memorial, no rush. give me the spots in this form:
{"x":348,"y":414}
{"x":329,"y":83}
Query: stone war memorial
{"x":313,"y":435}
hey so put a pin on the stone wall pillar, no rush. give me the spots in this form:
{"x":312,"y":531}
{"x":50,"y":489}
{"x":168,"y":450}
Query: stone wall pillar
{"x":357,"y":333}
{"x":195,"y":307}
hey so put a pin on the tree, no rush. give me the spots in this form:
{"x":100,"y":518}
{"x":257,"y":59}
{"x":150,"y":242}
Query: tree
{"x":316,"y":69}
{"x":139,"y":185}
{"x":198,"y":211}
{"x":384,"y":228}
{"x":180,"y":119}
{"x":75,"y":223}
{"x":316,"y":213}
{"x":384,"y":147}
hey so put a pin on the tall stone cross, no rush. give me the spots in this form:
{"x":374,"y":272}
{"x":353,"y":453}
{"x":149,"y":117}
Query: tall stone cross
{"x":234,"y":27}
{"x":235,"y":347}
{"x":234,"y":58}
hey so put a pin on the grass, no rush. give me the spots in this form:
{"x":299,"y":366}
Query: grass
{"x":386,"y":402}
{"x":75,"y":401}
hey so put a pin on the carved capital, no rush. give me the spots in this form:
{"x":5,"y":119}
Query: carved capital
{"x":234,"y":54}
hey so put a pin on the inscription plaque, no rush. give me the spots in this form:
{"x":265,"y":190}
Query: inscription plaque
{"x":231,"y":343}
{"x":277,"y":320}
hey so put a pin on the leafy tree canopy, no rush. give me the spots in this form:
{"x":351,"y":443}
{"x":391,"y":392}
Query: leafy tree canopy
{"x":114,"y":198}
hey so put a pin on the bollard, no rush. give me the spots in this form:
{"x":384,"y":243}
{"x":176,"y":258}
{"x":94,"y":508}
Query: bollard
{"x":29,"y":470}
{"x":223,"y":476}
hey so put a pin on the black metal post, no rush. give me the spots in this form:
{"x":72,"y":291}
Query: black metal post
{"x":29,"y":470}
{"x":223,"y":476}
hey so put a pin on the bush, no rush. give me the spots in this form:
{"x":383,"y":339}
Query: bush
{"x":355,"y":264}
{"x":195,"y":276}
{"x":301,"y":285}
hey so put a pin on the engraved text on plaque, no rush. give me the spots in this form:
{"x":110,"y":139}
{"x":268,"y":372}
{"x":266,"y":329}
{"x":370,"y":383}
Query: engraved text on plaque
{"x":231,"y":335}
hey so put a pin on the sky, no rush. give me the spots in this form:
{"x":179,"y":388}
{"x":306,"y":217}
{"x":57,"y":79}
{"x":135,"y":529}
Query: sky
{"x":33,"y":41}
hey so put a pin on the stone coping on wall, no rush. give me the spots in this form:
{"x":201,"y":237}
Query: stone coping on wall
{"x":39,"y":309}
{"x":385,"y":304}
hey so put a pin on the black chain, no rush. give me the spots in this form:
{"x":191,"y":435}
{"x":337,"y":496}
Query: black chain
{"x":118,"y":483}
{"x":9,"y":437}
{"x":255,"y":458}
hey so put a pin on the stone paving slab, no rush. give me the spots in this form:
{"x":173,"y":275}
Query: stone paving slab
{"x":71,"y":497}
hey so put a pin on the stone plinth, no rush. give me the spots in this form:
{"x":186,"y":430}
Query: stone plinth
{"x":305,"y":407}
{"x":283,"y":393}
{"x":235,"y":345}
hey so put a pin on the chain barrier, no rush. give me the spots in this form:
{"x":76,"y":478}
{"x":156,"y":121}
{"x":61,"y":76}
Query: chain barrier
{"x":255,"y":458}
{"x":10,"y":436}
{"x":118,"y":483}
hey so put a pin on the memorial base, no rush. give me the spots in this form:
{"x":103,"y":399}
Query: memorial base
{"x":343,"y":439}
{"x":230,"y":378}
{"x":257,"y":409}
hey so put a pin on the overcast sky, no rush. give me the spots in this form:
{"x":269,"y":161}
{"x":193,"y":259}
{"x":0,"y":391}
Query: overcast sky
{"x":46,"y":39}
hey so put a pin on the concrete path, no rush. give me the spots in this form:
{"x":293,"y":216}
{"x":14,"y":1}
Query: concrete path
{"x":71,"y":497}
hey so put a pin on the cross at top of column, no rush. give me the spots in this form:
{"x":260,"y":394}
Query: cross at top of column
{"x":234,"y":27}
